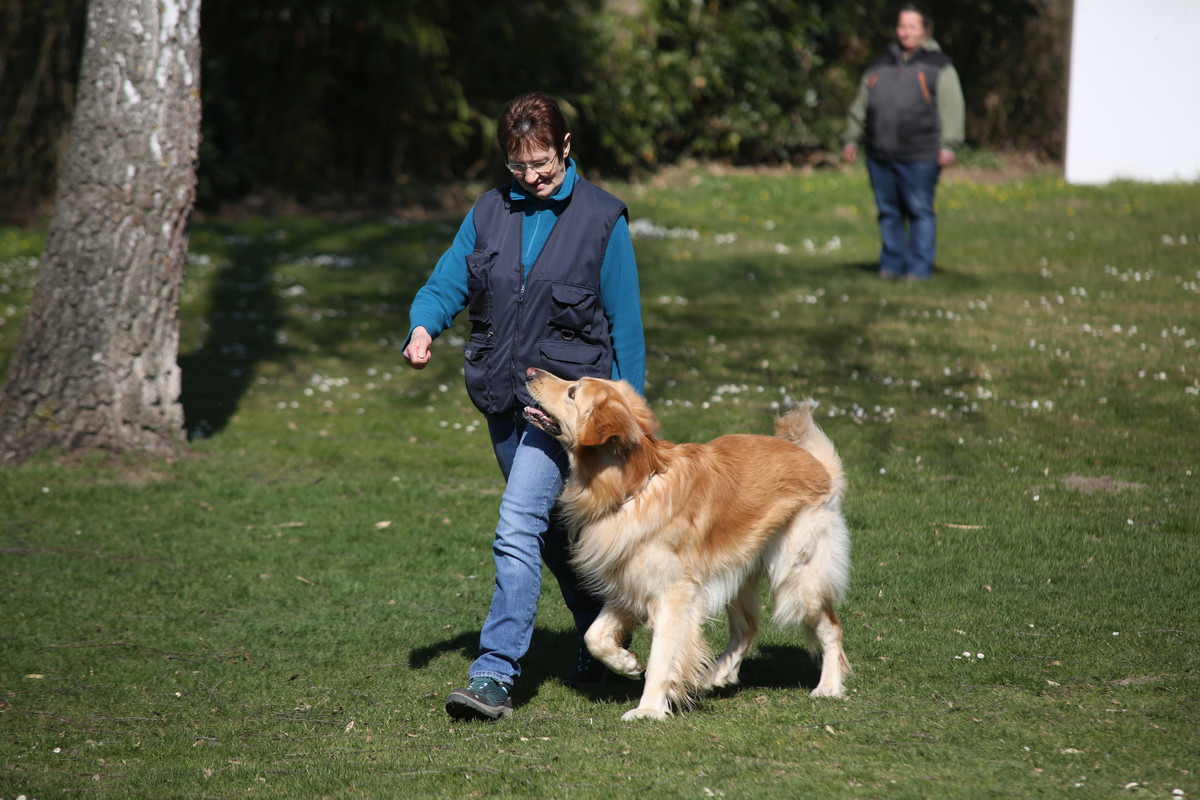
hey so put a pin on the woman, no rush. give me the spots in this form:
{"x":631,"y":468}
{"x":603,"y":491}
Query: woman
{"x":545,"y":268}
{"x":909,"y":110}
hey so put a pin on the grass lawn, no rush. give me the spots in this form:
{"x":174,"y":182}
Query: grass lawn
{"x":281,"y":613}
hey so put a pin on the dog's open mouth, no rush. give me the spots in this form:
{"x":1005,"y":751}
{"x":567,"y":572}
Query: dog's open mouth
{"x":543,"y":420}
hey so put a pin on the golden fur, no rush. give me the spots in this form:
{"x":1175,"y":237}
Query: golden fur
{"x":671,"y":534}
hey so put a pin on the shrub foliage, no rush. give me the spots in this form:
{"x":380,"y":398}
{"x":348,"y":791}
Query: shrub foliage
{"x":306,"y":98}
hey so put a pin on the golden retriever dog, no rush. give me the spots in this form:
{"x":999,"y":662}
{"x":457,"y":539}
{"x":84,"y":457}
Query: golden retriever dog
{"x":671,"y":534}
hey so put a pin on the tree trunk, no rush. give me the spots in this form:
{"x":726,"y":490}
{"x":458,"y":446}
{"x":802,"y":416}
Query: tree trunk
{"x":95,"y":366}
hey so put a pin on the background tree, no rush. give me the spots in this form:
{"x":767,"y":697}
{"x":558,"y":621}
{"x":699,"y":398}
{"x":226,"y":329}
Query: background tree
{"x":39,"y":62}
{"x":95,"y":366}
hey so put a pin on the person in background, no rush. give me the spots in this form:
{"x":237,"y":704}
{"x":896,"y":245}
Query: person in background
{"x":544,"y":267}
{"x":909,"y":113}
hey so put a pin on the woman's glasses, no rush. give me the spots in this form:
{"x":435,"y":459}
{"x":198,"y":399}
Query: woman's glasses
{"x":540,"y":167}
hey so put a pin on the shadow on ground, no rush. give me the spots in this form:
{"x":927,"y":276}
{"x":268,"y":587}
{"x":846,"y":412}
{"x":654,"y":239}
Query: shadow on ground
{"x":364,"y":279}
{"x":242,"y":324}
{"x":551,"y":653}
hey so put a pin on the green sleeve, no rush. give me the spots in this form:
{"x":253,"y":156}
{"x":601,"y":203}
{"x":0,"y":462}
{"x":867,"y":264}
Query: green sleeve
{"x":951,"y":109}
{"x":856,"y":118}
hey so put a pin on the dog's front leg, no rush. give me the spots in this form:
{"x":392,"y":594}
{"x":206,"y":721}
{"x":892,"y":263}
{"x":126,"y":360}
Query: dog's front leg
{"x":675,"y":621}
{"x":605,"y":640}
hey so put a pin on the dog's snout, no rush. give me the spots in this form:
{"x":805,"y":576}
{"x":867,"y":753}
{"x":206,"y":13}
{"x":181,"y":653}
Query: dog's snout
{"x":532,"y":373}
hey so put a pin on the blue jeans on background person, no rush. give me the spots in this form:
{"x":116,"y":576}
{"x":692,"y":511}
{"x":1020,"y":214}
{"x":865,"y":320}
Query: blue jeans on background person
{"x":534,"y":467}
{"x":904,"y":192}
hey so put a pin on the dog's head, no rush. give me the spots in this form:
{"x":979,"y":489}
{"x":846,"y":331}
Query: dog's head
{"x":589,"y":412}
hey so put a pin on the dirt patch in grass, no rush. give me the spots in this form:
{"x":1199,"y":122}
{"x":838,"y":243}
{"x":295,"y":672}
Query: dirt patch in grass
{"x":1002,"y":167}
{"x":1137,"y":680}
{"x":981,"y":167}
{"x":1102,"y":483}
{"x":131,"y":470}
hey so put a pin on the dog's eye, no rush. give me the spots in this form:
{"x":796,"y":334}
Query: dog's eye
{"x":571,"y":391}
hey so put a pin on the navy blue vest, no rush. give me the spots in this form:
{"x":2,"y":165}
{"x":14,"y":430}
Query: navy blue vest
{"x":554,"y":319}
{"x":902,"y":113}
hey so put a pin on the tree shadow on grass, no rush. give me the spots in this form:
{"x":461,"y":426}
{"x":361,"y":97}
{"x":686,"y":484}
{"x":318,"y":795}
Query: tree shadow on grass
{"x":352,"y":284}
{"x":242,"y":323}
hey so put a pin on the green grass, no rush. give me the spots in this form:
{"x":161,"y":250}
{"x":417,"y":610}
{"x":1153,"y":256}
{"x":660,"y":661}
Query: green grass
{"x":281,"y":613}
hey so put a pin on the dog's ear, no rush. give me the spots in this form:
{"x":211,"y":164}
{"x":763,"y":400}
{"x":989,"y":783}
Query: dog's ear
{"x":608,"y":419}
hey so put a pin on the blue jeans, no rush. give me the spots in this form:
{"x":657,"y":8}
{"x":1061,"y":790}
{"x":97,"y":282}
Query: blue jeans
{"x":904,"y":193}
{"x":534,"y":467}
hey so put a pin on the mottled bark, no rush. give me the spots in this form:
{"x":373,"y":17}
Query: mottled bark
{"x":95,"y":367}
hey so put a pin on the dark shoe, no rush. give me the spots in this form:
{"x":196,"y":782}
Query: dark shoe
{"x":484,"y":699}
{"x":586,"y":671}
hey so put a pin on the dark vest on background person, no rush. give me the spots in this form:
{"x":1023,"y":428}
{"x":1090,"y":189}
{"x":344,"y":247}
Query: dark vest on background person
{"x":554,"y":319}
{"x":902,"y":111}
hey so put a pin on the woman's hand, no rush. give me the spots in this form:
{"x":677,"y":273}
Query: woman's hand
{"x":945,"y":158}
{"x":850,"y":153}
{"x":417,"y":353}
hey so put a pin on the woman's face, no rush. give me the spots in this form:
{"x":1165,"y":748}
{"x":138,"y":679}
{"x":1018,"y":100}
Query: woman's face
{"x":910,"y":30}
{"x":551,"y":169}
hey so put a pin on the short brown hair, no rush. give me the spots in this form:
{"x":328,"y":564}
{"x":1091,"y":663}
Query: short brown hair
{"x":532,"y":119}
{"x":925,"y":18}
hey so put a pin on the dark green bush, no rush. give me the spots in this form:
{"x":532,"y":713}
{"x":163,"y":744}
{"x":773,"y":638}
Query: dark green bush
{"x":742,"y":82}
{"x":377,"y":99}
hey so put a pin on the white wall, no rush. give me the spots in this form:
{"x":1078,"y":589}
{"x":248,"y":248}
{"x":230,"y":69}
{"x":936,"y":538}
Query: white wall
{"x":1133,"y":107}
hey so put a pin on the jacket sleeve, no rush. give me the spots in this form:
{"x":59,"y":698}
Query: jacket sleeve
{"x":622,"y":298}
{"x":856,"y":117}
{"x":444,"y":295}
{"x":951,"y":109}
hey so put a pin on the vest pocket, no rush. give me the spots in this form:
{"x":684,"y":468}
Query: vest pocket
{"x":571,"y":360}
{"x":478,"y":346}
{"x":476,"y":369}
{"x":479,"y":299}
{"x":574,"y":309}
{"x":921,"y":79}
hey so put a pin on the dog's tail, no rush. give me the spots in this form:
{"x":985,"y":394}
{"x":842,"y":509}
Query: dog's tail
{"x":799,"y":427}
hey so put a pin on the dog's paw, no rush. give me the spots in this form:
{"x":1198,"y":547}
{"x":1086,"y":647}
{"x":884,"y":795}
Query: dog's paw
{"x":827,"y":691}
{"x":719,"y":679}
{"x":644,"y":713}
{"x":714,"y":685}
{"x":624,"y":662}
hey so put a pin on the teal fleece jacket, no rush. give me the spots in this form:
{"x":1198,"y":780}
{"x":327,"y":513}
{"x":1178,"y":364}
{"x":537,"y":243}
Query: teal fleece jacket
{"x":444,"y":295}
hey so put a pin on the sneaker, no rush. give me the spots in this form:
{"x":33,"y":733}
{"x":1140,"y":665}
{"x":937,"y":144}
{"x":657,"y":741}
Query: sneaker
{"x":586,"y":671}
{"x":482,"y":699}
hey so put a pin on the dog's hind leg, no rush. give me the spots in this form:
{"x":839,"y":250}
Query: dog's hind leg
{"x":605,"y":638}
{"x":743,"y":627}
{"x":834,"y":666}
{"x":678,"y":652}
{"x":808,"y":576}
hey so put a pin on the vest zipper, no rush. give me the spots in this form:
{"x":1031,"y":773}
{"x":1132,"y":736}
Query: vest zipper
{"x":512,"y":350}
{"x":512,"y":358}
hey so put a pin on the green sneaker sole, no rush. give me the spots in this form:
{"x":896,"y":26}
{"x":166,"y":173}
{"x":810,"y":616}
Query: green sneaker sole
{"x":467,"y":705}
